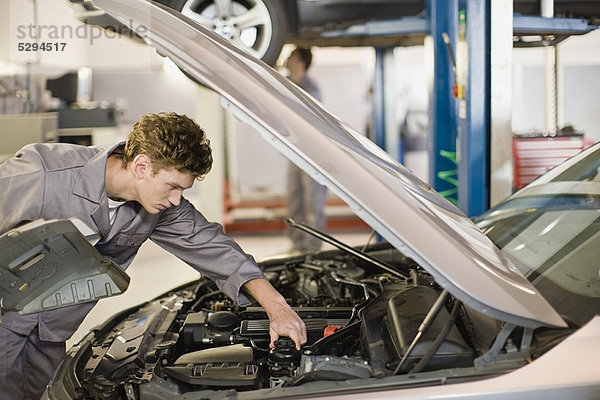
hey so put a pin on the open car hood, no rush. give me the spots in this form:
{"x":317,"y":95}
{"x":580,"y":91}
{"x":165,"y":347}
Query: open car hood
{"x":400,"y":207}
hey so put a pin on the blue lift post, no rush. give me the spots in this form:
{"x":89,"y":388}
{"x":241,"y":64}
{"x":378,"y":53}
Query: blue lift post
{"x":473,"y":112}
{"x":442,"y":105}
{"x":474,"y":108}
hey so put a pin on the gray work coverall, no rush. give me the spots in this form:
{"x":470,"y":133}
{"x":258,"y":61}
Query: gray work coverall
{"x":55,"y":181}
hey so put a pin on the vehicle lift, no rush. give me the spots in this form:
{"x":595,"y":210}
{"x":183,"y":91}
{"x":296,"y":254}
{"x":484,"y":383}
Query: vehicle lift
{"x":464,"y":122}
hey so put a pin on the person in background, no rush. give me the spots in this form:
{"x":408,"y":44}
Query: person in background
{"x":305,"y":197}
{"x":128,"y":193}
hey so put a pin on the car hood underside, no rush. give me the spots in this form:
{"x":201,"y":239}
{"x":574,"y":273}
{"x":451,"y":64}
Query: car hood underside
{"x":395,"y":203}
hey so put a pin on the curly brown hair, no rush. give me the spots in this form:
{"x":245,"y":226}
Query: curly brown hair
{"x":170,"y":140}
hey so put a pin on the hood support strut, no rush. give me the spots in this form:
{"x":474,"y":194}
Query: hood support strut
{"x":433,"y":312}
{"x":334,"y":242}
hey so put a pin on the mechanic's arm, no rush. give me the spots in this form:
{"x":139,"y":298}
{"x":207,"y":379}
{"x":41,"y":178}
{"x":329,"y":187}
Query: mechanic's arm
{"x":283,"y":321}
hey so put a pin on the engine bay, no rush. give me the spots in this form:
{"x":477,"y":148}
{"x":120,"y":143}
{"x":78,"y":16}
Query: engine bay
{"x":361,"y":323}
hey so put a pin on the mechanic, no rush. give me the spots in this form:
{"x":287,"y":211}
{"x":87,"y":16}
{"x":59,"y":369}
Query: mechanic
{"x":305,"y":197}
{"x":127,"y":194}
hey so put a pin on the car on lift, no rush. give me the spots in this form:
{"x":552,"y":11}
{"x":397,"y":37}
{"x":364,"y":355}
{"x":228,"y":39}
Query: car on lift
{"x":262,"y":27}
{"x":436,"y":309}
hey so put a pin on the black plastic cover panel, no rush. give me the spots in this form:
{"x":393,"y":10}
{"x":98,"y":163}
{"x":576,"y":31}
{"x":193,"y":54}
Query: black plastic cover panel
{"x":46,"y":265}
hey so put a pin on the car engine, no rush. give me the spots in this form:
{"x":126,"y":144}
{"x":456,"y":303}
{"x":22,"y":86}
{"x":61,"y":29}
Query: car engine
{"x":361,"y":322}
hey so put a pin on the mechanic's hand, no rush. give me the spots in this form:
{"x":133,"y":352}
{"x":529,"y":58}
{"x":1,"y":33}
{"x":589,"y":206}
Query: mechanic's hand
{"x":283,"y":321}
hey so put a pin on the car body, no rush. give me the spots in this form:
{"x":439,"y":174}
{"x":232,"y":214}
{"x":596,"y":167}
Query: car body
{"x":262,"y":27}
{"x":435,"y":310}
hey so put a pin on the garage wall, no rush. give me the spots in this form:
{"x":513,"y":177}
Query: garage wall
{"x":142,"y":92}
{"x":578,"y":85}
{"x":256,"y":170}
{"x":581,"y":84}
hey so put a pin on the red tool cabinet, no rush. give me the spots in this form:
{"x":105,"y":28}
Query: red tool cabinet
{"x":534,"y":155}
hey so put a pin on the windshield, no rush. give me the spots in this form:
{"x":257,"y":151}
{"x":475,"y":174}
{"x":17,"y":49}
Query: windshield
{"x":551,"y":231}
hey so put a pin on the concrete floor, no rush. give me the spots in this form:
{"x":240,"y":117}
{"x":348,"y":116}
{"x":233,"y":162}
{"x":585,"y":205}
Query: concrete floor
{"x":154,"y":271}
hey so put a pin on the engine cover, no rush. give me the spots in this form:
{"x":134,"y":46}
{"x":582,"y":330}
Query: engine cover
{"x":221,"y":366}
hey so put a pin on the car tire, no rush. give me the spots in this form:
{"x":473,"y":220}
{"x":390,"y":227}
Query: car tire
{"x":262,"y":36}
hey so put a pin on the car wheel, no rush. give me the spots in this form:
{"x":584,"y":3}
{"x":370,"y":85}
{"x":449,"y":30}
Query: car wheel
{"x":257,"y":26}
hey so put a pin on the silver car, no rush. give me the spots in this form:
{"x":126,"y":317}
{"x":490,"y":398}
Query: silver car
{"x":436,"y":309}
